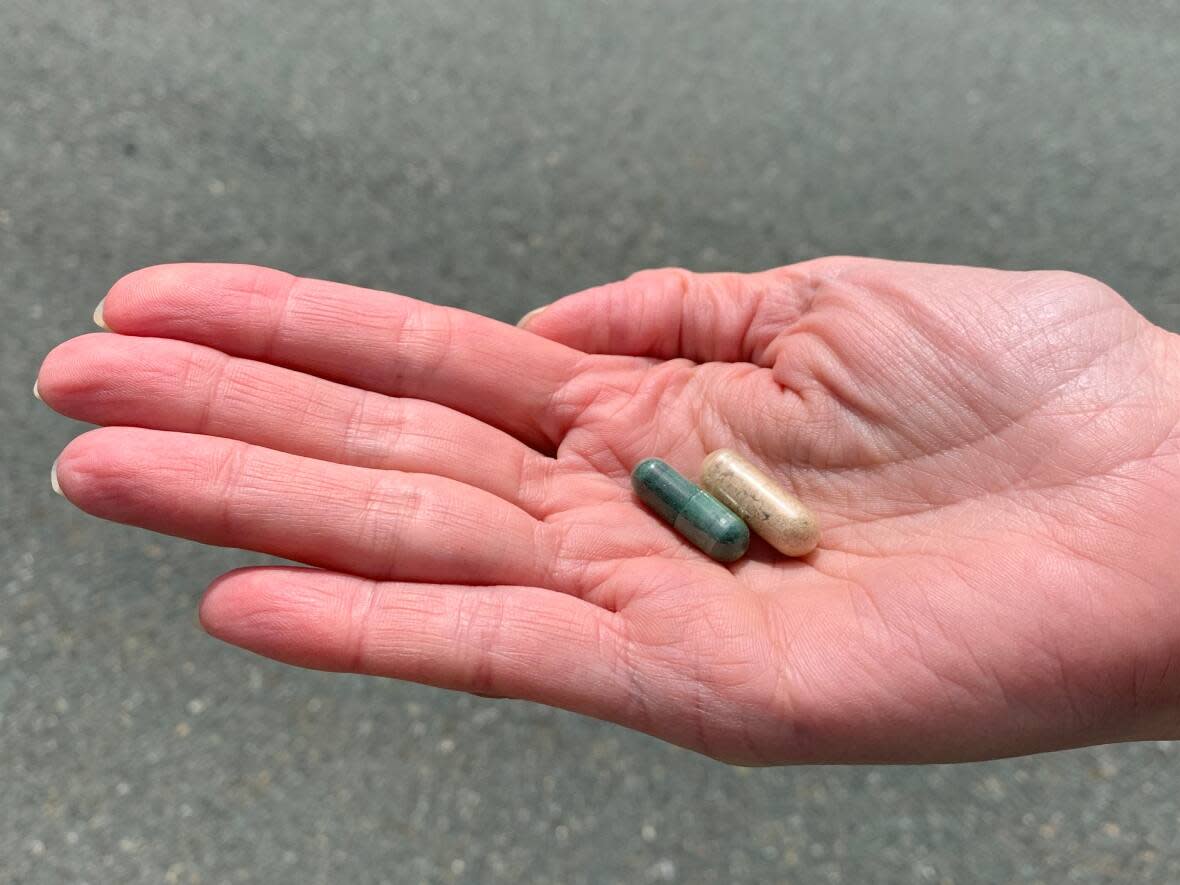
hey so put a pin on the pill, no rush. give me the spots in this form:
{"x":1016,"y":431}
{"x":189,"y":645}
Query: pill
{"x":692,"y":511}
{"x":781,"y":519}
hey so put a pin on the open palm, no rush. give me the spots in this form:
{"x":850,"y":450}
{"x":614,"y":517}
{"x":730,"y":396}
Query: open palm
{"x":994,"y":458}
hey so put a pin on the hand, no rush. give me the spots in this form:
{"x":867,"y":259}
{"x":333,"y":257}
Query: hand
{"x":994,"y":458}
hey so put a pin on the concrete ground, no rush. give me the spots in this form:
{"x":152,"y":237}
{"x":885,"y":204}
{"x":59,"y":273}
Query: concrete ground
{"x":496,"y":155}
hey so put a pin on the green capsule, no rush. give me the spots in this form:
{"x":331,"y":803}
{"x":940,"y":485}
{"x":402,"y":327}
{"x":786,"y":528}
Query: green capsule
{"x":692,"y":511}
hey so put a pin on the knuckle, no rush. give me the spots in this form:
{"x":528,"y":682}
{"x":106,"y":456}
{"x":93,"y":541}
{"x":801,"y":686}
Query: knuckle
{"x":361,"y":438}
{"x":228,"y":474}
{"x":559,"y":556}
{"x":359,"y":626}
{"x":674,"y":281}
{"x":478,"y":627}
{"x":389,"y":509}
{"x":425,"y":338}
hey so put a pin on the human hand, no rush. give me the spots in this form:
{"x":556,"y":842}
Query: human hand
{"x":994,"y":459}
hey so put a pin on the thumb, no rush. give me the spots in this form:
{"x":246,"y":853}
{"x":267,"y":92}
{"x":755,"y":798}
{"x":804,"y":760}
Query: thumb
{"x":670,"y":313}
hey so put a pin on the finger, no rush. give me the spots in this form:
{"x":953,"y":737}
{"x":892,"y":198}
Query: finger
{"x":375,"y":340}
{"x":162,"y":384}
{"x":507,"y":641}
{"x":378,"y":523}
{"x":671,"y":313}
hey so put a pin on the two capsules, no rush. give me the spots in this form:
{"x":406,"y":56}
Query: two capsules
{"x":733,"y":498}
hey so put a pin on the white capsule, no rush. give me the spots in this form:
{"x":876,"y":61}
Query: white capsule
{"x":777,"y":516}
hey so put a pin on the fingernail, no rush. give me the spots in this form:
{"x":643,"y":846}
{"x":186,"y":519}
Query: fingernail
{"x":36,"y":392}
{"x":53,"y":478}
{"x":98,"y":320}
{"x":523,"y":321}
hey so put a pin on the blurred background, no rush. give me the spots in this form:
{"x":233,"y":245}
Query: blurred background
{"x":495,"y":156}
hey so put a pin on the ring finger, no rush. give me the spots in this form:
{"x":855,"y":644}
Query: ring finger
{"x":373,"y":523}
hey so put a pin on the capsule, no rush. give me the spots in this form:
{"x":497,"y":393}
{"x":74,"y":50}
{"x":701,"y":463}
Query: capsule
{"x":692,"y":511}
{"x":781,"y":519}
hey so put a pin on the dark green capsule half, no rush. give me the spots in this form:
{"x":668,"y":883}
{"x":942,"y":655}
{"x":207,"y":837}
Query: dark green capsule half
{"x":692,"y":511}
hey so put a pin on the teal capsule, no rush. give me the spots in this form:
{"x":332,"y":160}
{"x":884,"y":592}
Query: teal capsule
{"x":692,"y":511}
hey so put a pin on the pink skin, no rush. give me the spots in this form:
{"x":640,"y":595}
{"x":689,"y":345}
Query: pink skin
{"x":994,"y":458}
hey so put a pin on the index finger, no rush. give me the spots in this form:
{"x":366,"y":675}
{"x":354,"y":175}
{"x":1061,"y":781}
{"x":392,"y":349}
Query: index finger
{"x":374,"y":340}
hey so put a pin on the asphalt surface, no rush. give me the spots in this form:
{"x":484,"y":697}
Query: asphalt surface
{"x":495,"y":156}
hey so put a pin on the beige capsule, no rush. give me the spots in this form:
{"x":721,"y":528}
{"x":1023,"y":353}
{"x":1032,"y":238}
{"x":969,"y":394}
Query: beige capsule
{"x":781,"y":519}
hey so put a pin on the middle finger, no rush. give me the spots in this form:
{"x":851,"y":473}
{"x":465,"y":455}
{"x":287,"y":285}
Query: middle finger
{"x":163,"y":384}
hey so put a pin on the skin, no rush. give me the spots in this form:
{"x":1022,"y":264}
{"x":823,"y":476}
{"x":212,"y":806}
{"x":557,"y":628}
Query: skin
{"x":994,"y":459}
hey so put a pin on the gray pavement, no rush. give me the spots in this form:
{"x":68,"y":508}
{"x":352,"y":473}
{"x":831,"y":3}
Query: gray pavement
{"x":496,"y":155}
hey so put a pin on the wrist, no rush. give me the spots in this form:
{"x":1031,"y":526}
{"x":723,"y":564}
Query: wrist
{"x":1156,"y":687}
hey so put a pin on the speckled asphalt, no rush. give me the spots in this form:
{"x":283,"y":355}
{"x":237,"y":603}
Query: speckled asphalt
{"x":496,"y":155}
